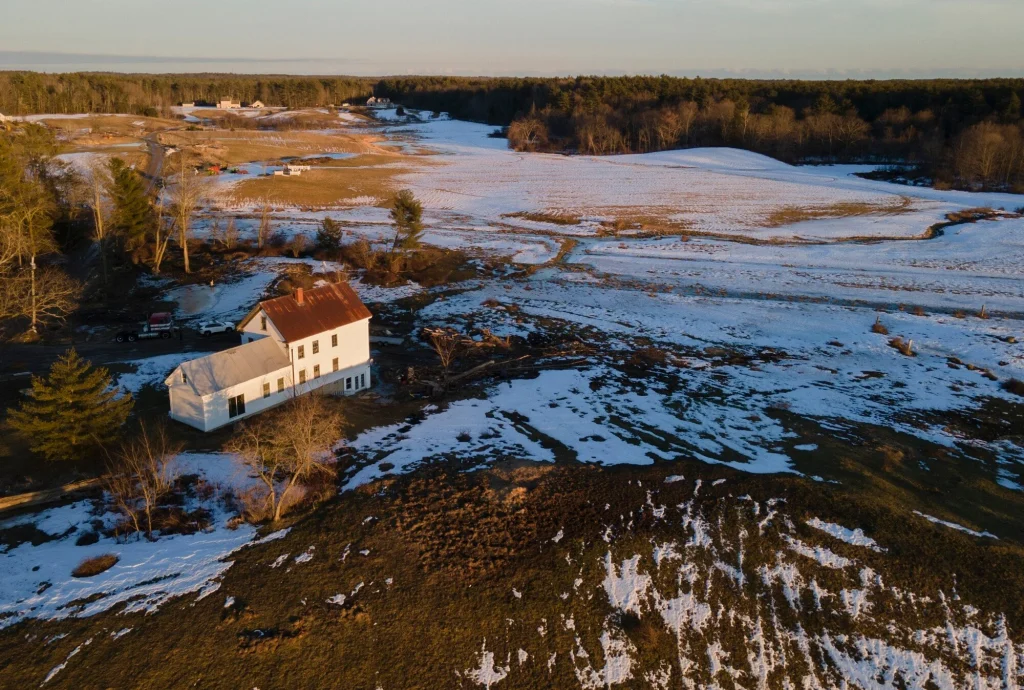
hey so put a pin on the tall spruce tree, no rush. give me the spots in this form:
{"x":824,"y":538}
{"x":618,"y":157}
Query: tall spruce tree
{"x":74,"y":410}
{"x":133,"y":212}
{"x":407,"y":215}
{"x":329,"y":234}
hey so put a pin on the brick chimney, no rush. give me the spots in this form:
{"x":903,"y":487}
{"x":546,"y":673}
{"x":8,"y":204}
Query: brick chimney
{"x":298,"y":296}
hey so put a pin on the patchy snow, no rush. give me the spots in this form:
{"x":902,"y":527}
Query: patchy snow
{"x":953,"y":525}
{"x":372,"y":294}
{"x":488,"y":673}
{"x":230,"y":301}
{"x":61,"y":666}
{"x":821,"y":554}
{"x":38,"y":581}
{"x":573,"y":408}
{"x":617,"y":651}
{"x":850,"y":536}
{"x":626,"y":586}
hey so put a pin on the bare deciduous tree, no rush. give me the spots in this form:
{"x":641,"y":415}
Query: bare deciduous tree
{"x":54,"y":295}
{"x":289,"y":447}
{"x":263,"y":232}
{"x":45,"y":295}
{"x":186,"y":195}
{"x":98,"y":182}
{"x":447,"y":344}
{"x":161,"y":237}
{"x":141,"y":474}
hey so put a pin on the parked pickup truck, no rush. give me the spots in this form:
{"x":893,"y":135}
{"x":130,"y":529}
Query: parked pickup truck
{"x":158,"y":325}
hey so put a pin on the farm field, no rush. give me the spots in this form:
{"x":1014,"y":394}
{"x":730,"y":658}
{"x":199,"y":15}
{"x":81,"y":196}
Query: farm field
{"x":771,"y":438}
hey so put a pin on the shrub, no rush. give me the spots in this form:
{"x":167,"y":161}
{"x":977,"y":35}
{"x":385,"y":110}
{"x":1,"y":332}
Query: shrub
{"x":879,"y":327}
{"x":298,"y":245}
{"x":905,"y":347}
{"x":1015,"y":386}
{"x":919,"y":311}
{"x":95,"y":565}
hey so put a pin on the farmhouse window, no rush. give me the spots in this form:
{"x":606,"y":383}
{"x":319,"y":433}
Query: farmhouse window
{"x":316,"y":347}
{"x":263,"y":322}
{"x":302,"y":375}
{"x":362,"y":380}
{"x":316,"y":371}
{"x":348,"y":383}
{"x":280,"y":385}
{"x":334,"y":364}
{"x":236,"y":406}
{"x":266,"y":390}
{"x":184,"y":377}
{"x":302,"y":351}
{"x":334,"y":340}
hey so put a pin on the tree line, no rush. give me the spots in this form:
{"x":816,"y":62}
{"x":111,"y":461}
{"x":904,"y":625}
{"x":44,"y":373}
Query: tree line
{"x":962,"y":133}
{"x":27,"y":93}
{"x":966,"y":133}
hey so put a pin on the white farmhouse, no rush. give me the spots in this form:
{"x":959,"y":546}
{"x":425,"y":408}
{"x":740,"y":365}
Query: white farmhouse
{"x":227,"y":103}
{"x":314,"y":339}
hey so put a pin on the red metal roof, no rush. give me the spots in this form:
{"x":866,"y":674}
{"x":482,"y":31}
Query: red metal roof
{"x":322,"y":309}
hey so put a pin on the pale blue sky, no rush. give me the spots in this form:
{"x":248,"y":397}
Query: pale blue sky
{"x":876,"y":38}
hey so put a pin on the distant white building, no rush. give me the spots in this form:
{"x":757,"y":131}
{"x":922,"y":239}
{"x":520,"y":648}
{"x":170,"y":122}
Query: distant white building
{"x":226,"y":103}
{"x":257,"y":104}
{"x":292,"y":345}
{"x":374,"y":102}
{"x":292,"y":170}
{"x":189,"y":104}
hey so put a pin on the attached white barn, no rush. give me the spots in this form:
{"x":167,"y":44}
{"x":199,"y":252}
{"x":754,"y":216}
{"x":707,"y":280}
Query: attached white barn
{"x":291,"y":345}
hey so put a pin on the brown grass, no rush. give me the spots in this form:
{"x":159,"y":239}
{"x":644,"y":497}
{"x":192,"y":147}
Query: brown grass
{"x":1015,"y":386}
{"x":879,"y":327}
{"x":318,"y":188}
{"x":552,"y":217}
{"x":788,"y":215}
{"x":95,"y":565}
{"x":245,"y":146}
{"x":101,"y":126}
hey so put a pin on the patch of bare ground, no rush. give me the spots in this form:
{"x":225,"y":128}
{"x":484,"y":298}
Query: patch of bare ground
{"x":789,"y":215}
{"x":410,"y":575}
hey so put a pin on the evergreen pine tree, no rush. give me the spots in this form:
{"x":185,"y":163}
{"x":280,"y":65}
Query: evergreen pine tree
{"x":133,"y":213}
{"x":407,"y":215}
{"x":328,"y":236}
{"x":73,"y":410}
